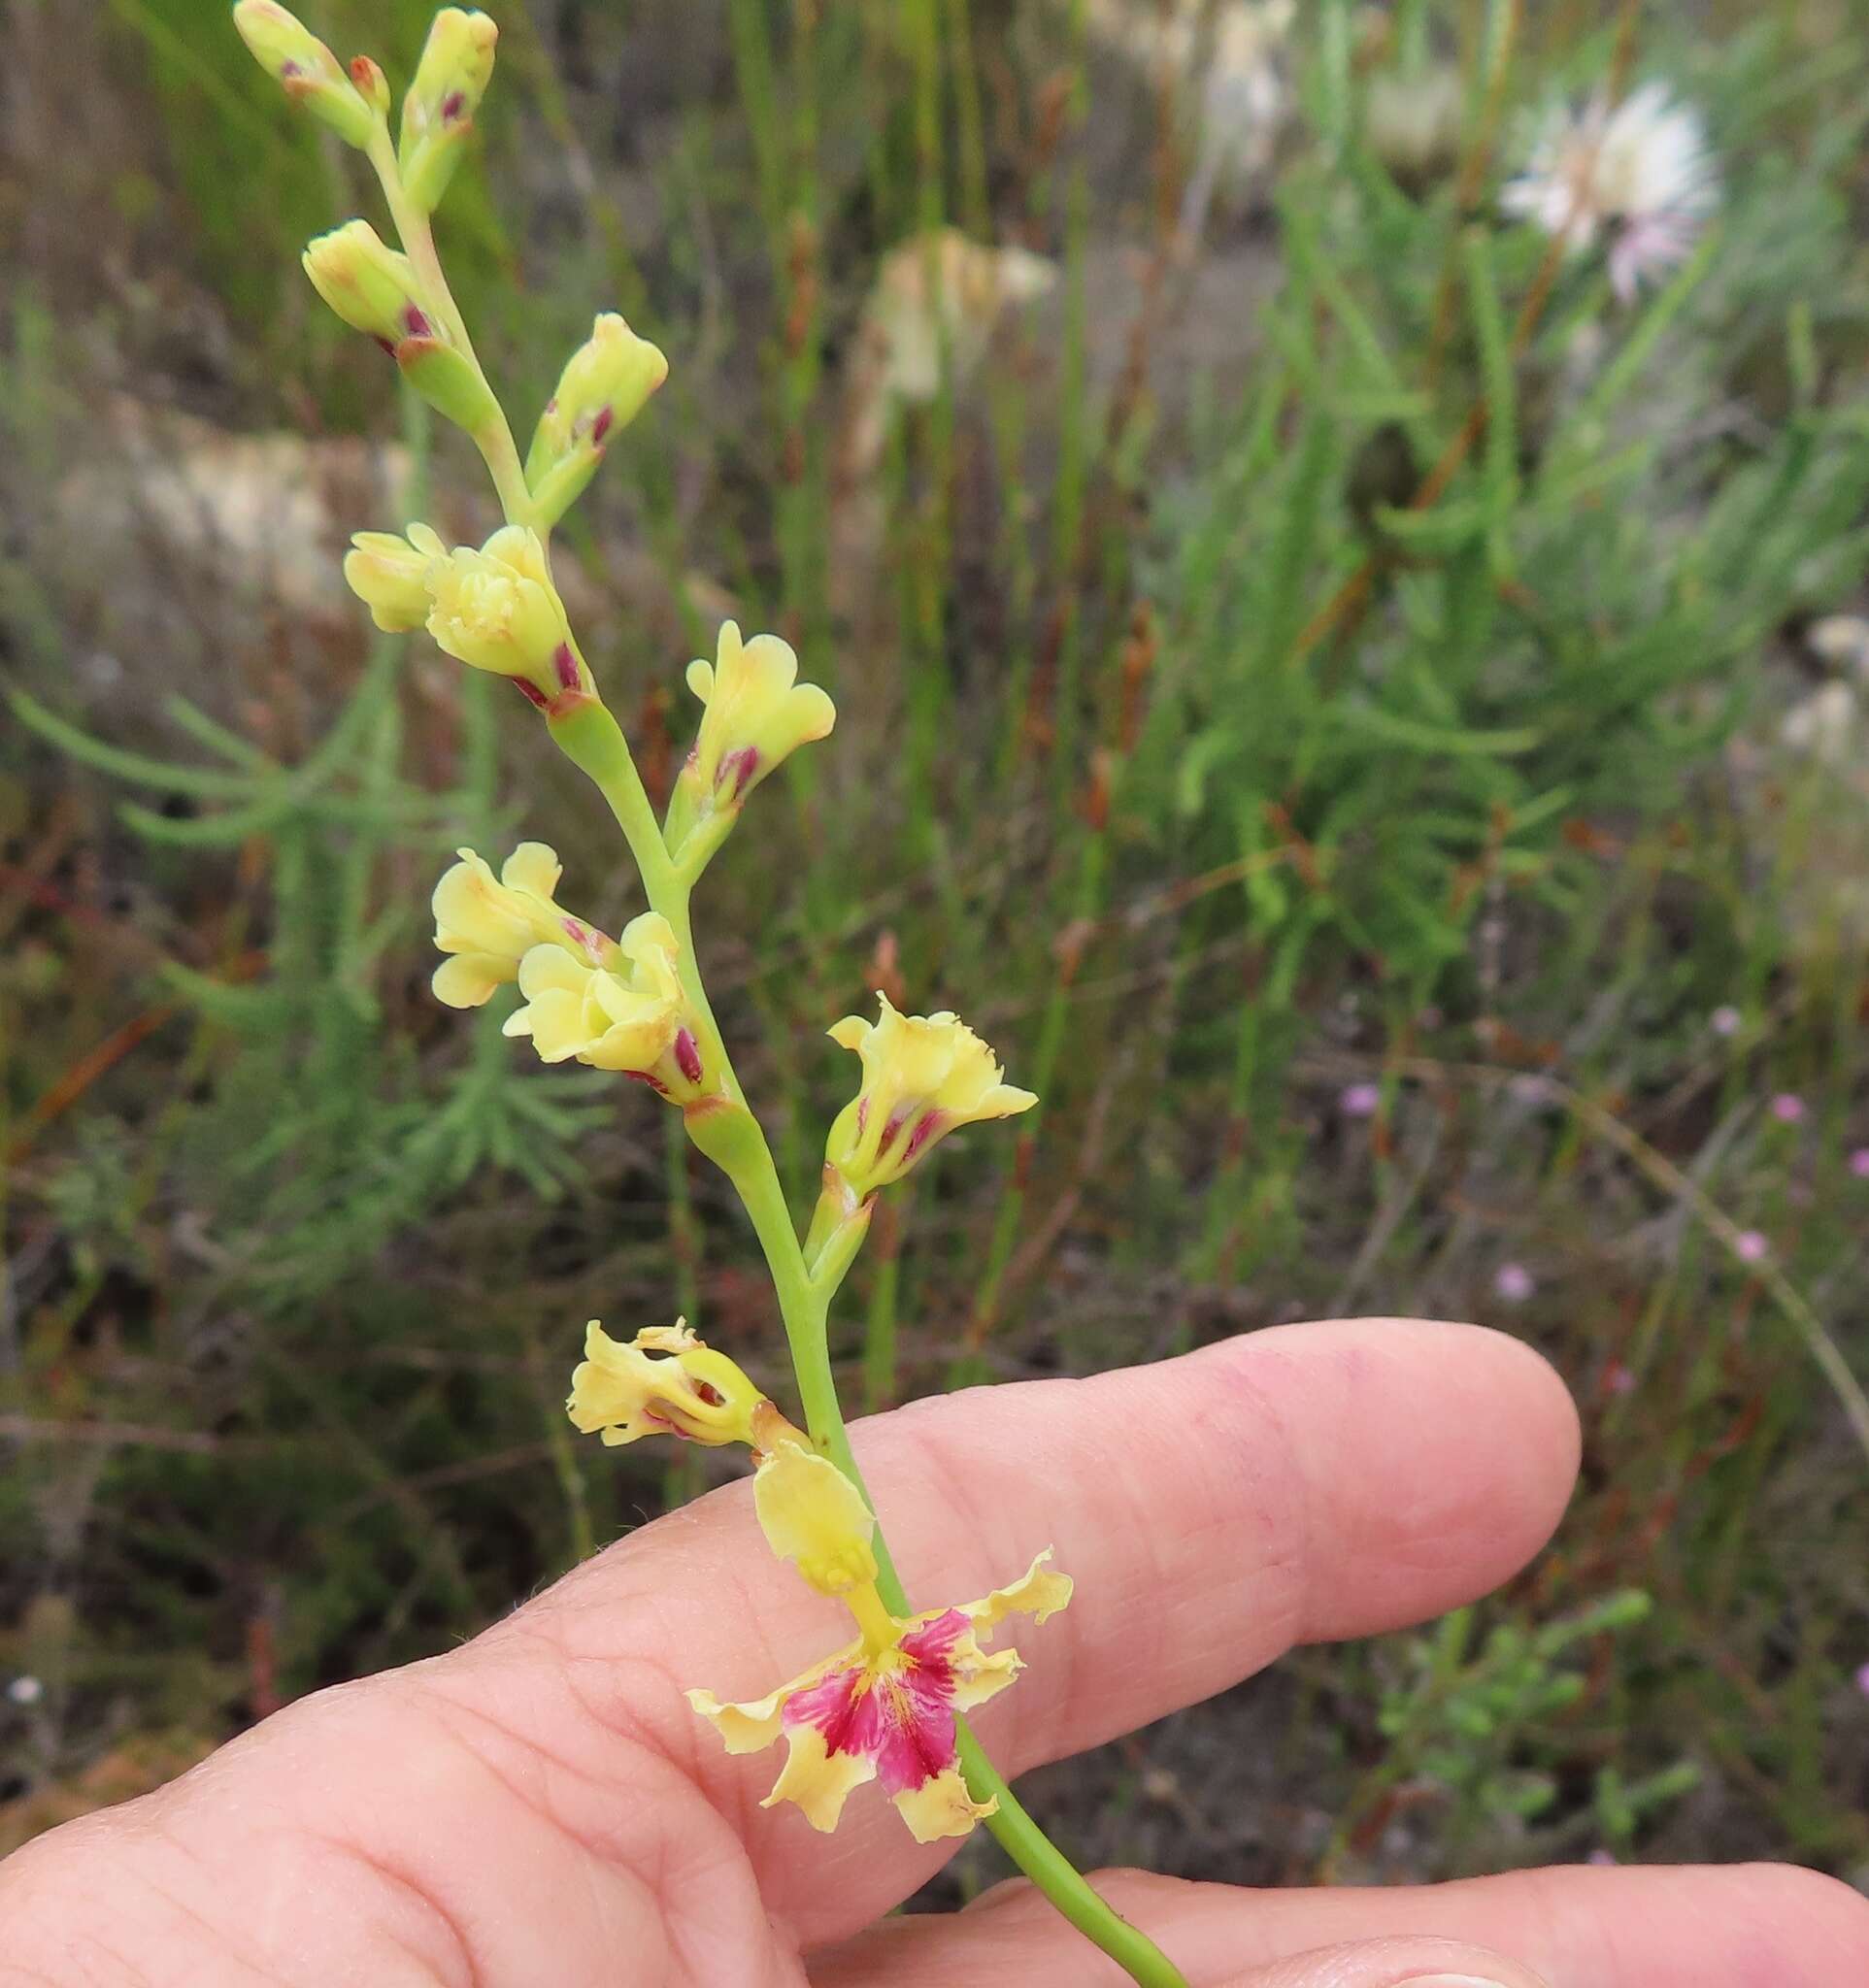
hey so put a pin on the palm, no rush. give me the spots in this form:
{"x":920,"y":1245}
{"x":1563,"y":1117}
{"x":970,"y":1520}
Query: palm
{"x":542,"y":1805}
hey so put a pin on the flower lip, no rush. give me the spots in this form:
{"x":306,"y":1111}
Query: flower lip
{"x":883,"y":1707}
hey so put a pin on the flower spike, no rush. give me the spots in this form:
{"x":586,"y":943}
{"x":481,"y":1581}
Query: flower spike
{"x":488,"y":924}
{"x":882,"y":1707}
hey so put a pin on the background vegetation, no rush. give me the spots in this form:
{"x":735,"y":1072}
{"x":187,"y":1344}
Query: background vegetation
{"x":1332,"y":693}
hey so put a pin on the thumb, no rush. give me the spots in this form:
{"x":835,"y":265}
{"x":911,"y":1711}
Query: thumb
{"x":1404,"y":1962}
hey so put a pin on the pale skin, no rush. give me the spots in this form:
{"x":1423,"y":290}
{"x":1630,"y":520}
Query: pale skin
{"x":541,"y":1806}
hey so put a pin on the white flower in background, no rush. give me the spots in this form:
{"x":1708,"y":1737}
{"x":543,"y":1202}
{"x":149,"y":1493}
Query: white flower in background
{"x":1636,"y":176}
{"x":1228,"y":63}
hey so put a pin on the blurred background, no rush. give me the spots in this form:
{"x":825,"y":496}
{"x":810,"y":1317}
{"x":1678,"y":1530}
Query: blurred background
{"x":1361,"y":706}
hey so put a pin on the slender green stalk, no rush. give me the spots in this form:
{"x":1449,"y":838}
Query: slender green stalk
{"x":494,"y":438}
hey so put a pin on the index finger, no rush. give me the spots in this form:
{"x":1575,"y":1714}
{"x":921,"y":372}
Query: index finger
{"x":1301,"y":1483}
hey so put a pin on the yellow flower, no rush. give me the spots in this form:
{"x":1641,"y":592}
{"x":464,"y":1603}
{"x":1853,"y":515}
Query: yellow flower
{"x":489,"y":923}
{"x":373,"y":287}
{"x":304,"y":67}
{"x":601,"y":390}
{"x":664,"y":1382}
{"x":922,"y":1075}
{"x":757,"y":716}
{"x":497,"y":610}
{"x":457,"y":65}
{"x":387,"y":574}
{"x":629,"y":1015}
{"x":882,"y":1708}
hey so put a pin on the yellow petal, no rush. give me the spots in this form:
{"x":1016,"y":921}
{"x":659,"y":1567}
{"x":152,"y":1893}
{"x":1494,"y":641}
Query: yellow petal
{"x":533,"y":866}
{"x":1037,"y":1593}
{"x":747,"y":1728}
{"x":468,"y":979}
{"x":940,"y":1807}
{"x":818,"y":1780}
{"x":813,"y":1515}
{"x":550,"y":970}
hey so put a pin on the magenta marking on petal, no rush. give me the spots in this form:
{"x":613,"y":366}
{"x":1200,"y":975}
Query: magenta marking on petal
{"x":920,"y":1135}
{"x":288,"y":70}
{"x":890,"y":1133}
{"x":829,"y":1705}
{"x":416,"y":321}
{"x":912,"y":1719}
{"x":648,"y":1077}
{"x":600,"y":427}
{"x":566,"y":665}
{"x":736,"y":771}
{"x":452,"y":105}
{"x":386,"y":343}
{"x":900,"y":1716}
{"x":533,"y":694}
{"x":688,"y":1055}
{"x":862,"y":1115}
{"x":934,"y":1643}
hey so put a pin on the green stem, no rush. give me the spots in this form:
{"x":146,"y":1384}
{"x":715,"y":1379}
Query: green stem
{"x":495,"y":437}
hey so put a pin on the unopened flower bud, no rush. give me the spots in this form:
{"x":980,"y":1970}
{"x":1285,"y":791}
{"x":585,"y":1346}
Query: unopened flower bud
{"x":438,"y":113}
{"x":602,"y":390}
{"x":497,"y":610}
{"x":387,"y":574}
{"x":372,"y":84}
{"x":304,"y":67}
{"x":369,"y":284}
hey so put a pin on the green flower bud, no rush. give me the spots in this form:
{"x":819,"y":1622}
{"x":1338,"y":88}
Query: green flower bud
{"x":438,"y":113}
{"x":368,"y":285}
{"x":304,"y":67}
{"x":601,"y":390}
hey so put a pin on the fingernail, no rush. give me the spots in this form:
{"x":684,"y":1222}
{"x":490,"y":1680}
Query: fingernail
{"x":1448,"y":1981}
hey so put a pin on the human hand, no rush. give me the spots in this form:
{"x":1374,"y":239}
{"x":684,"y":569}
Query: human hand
{"x":542,"y":1806}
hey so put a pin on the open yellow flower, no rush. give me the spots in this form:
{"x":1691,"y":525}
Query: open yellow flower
{"x":664,"y":1382}
{"x":488,"y":924}
{"x":630,"y":1014}
{"x":922,"y":1076}
{"x":757,"y":716}
{"x":882,"y":1708}
{"x":389,"y":575}
{"x":497,"y":610}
